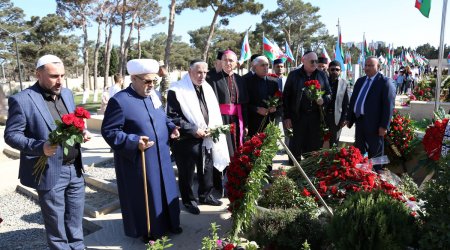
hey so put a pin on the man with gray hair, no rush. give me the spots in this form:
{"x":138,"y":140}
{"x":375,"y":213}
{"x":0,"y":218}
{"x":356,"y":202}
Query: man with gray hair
{"x":193,"y":107}
{"x":301,"y":113}
{"x":31,"y":118}
{"x":260,"y":87}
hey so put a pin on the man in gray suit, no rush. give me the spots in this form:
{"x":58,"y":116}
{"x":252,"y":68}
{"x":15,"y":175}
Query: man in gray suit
{"x":31,"y":117}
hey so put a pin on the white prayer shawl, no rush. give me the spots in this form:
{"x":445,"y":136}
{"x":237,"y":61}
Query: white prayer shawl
{"x":342,"y":86}
{"x":155,"y":99}
{"x":185,"y":93}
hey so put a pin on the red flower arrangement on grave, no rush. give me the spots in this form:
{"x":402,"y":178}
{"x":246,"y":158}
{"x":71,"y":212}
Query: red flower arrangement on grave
{"x":401,"y":136}
{"x":68,"y":132}
{"x":340,"y":172}
{"x":432,"y":141}
{"x":240,"y":166}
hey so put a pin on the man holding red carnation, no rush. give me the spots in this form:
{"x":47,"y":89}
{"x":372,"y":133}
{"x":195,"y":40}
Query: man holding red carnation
{"x":260,"y":89}
{"x":301,"y":113}
{"x":31,"y":118}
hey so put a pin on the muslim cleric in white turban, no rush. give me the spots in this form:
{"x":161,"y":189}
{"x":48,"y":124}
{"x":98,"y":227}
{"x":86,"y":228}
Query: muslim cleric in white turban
{"x":133,"y":122}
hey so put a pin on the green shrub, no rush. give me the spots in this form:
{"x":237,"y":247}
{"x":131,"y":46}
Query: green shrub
{"x":436,"y":221}
{"x":372,"y":221}
{"x":284,"y":193}
{"x":287,"y":229}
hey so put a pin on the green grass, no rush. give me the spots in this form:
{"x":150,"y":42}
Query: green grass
{"x":421,"y":125}
{"x":90,"y":105}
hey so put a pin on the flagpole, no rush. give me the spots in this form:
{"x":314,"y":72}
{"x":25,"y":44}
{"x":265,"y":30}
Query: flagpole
{"x":441,"y":55}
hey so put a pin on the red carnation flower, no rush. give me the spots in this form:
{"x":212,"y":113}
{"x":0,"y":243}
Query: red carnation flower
{"x":278,"y":94}
{"x":68,"y":119}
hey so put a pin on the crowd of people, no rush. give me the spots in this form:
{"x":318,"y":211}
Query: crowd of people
{"x":143,"y":130}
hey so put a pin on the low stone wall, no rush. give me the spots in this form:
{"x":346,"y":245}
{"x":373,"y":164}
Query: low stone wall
{"x":419,"y":110}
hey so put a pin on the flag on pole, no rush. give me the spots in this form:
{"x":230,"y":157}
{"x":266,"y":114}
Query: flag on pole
{"x":365,"y":49}
{"x":288,"y":52}
{"x":424,"y":7}
{"x":325,"y":54}
{"x":245,"y":50}
{"x":448,"y":58}
{"x":270,"y":49}
{"x":278,"y":52}
{"x":339,"y":54}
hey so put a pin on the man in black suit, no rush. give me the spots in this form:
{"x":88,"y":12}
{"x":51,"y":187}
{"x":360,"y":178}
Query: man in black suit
{"x":300,"y":113}
{"x":260,"y":87}
{"x":371,"y":108}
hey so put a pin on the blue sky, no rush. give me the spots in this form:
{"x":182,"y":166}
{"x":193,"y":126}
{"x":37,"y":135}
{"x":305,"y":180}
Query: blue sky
{"x":392,"y":21}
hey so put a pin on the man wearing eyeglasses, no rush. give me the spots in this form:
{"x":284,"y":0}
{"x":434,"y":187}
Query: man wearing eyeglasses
{"x":135,"y":122}
{"x":337,"y":109}
{"x":300,"y":113}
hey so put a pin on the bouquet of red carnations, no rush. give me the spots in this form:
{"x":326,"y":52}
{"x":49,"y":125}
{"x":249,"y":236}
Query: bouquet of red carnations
{"x":313,"y":90}
{"x":68,"y":132}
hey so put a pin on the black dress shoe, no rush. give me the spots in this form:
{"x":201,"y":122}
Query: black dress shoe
{"x":192,"y":207}
{"x":210,"y":200}
{"x":177,"y":230}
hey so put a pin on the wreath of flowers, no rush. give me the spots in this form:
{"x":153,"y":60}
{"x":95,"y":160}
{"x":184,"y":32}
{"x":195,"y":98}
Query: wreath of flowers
{"x":246,"y":175}
{"x":401,"y":137}
{"x":432,"y":141}
{"x":423,"y":91}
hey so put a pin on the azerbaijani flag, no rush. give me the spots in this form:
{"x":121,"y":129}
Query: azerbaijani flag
{"x":424,"y":7}
{"x":245,"y":50}
{"x":288,"y":52}
{"x":448,"y":58}
{"x":270,"y":49}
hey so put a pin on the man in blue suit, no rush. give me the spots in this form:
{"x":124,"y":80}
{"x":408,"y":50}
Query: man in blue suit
{"x":31,"y":117}
{"x":371,"y":108}
{"x":135,"y":121}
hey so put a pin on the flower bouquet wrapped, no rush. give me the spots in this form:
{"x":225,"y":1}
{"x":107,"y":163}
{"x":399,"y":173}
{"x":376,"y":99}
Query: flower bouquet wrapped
{"x":68,"y":132}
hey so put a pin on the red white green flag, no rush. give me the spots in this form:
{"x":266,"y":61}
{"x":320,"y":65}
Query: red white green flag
{"x":271,"y":50}
{"x":245,"y":50}
{"x":424,"y":7}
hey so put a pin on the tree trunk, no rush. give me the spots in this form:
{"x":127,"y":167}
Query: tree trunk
{"x":85,"y":57}
{"x":169,"y":36}
{"x":122,"y":39}
{"x":97,"y":48}
{"x":128,"y":42}
{"x":211,"y":33}
{"x":108,"y":48}
{"x":139,"y":38}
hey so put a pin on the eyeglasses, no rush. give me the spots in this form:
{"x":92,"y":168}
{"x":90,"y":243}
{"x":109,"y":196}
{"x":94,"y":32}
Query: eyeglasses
{"x":334,"y":69}
{"x":148,"y":81}
{"x":314,"y":61}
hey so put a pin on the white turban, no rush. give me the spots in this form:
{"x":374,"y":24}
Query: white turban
{"x":142,"y":66}
{"x":47,"y":59}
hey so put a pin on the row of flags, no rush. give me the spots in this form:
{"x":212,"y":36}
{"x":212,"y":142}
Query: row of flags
{"x":273,"y":52}
{"x":270,"y":50}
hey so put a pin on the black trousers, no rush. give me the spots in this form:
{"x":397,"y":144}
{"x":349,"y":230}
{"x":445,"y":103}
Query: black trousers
{"x":188,"y":154}
{"x":307,"y":133}
{"x":368,"y":140}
